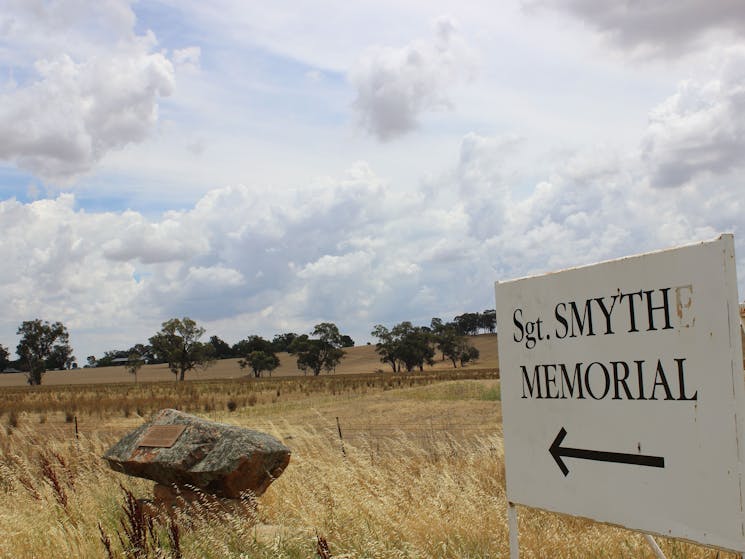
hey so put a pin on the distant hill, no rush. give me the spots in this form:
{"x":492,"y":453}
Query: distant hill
{"x":358,"y":360}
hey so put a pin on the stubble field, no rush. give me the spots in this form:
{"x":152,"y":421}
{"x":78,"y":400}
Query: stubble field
{"x":417,"y":473}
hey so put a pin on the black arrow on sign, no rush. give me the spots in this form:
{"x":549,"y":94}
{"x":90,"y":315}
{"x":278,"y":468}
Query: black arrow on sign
{"x":558,"y":451}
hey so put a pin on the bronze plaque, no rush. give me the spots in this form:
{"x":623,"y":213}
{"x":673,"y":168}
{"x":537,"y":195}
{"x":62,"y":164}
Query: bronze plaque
{"x":162,"y":436}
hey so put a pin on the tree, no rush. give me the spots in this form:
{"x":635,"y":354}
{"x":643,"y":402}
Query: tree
{"x":4,"y":358}
{"x":91,"y":359}
{"x":328,"y":332}
{"x":387,"y":346}
{"x":252,"y":343}
{"x":468,"y":323}
{"x":322,"y":353}
{"x":450,"y":343}
{"x":178,"y":344}
{"x":221,"y":348}
{"x":455,"y":346}
{"x":39,"y":341}
{"x":281,"y":342}
{"x":60,"y":358}
{"x":260,"y":361}
{"x":257,"y":353}
{"x":405,"y":344}
{"x":468,"y":353}
{"x":489,"y":320}
{"x":144,"y":351}
{"x":415,"y":346}
{"x":134,"y":364}
{"x":437,"y":327}
{"x":332,"y":342}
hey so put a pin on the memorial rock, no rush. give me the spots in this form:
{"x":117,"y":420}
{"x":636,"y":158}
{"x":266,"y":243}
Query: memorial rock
{"x":178,"y":449}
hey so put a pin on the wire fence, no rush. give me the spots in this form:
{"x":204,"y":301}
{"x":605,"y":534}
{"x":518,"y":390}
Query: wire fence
{"x":341,"y":429}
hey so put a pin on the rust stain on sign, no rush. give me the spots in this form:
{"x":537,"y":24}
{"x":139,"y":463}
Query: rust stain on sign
{"x":683,"y":303}
{"x":162,"y":436}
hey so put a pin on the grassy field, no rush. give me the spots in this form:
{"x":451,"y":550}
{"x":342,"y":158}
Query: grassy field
{"x":358,"y":360}
{"x":419,"y":474}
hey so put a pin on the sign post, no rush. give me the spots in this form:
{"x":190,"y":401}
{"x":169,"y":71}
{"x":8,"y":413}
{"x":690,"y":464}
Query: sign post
{"x":623,"y":396}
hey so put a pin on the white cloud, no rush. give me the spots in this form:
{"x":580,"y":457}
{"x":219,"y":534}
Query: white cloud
{"x":169,"y":240}
{"x":35,"y":27}
{"x":214,"y":277}
{"x":395,"y":86}
{"x":356,"y":248}
{"x":93,"y":85}
{"x":53,"y":266}
{"x":352,"y":250}
{"x":188,"y":58}
{"x":663,"y":27}
{"x":700,"y":130}
{"x":335,"y":266}
{"x":479,"y":185}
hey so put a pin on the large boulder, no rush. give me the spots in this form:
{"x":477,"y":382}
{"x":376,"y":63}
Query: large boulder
{"x":223,"y":460}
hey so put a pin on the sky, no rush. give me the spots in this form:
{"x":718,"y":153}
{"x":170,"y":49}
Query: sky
{"x":263,"y":167}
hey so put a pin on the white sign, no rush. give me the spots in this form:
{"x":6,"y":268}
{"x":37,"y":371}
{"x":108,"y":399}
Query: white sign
{"x":623,"y":394}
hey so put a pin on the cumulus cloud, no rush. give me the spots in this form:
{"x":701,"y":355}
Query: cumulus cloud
{"x":481,"y":183}
{"x":349,"y":249}
{"x":395,"y":86}
{"x":214,"y":276}
{"x":53,"y":265}
{"x":359,"y":250}
{"x":354,"y":250}
{"x":666,"y":27}
{"x":334,"y":266}
{"x":700,"y":130}
{"x":77,"y":103}
{"x":169,"y":240}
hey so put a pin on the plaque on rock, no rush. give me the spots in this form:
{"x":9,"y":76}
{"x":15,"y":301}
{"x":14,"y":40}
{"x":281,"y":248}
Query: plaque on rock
{"x":162,"y":436}
{"x":222,"y":460}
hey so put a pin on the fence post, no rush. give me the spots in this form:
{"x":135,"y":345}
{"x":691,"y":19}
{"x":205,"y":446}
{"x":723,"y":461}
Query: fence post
{"x":341,"y":438}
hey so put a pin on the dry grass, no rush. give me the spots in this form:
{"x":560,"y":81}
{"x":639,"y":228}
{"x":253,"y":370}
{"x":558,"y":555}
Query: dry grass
{"x":97,"y":405}
{"x":421,"y":476}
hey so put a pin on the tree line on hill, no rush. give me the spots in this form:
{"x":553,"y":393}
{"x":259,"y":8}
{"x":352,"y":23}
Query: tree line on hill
{"x":406,"y":346}
{"x":45,"y":346}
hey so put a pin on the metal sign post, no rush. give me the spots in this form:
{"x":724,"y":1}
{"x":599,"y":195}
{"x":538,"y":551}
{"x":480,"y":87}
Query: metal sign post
{"x":514,"y":534}
{"x":512,"y":526}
